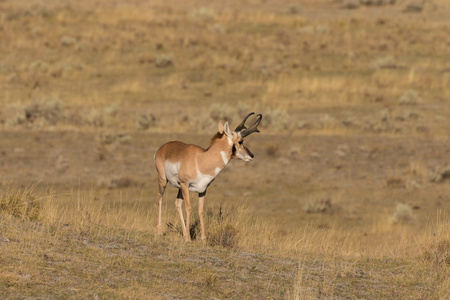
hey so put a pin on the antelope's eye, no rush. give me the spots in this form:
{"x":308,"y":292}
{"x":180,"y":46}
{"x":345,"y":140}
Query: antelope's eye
{"x":241,"y":142}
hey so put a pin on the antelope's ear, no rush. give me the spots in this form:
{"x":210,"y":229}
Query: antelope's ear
{"x":220,"y":127}
{"x":226,"y":129}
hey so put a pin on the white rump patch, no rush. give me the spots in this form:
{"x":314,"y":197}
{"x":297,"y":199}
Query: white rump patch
{"x":171,"y":170}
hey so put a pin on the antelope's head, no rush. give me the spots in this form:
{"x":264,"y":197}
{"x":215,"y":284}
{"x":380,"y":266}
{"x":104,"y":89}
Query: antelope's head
{"x":236,"y":137}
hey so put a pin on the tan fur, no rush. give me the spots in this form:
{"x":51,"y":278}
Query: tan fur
{"x":191,"y":167}
{"x":209,"y":160}
{"x":188,"y":154}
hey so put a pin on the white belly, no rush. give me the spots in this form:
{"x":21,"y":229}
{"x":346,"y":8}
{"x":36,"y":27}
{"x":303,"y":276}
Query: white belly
{"x":202,"y":181}
{"x":172,"y":173}
{"x":198,"y":185}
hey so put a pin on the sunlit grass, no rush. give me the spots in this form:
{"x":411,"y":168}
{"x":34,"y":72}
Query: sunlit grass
{"x":333,"y":208}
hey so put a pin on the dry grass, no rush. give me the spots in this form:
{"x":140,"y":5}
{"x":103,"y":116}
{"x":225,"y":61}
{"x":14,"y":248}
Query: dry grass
{"x":72,"y":242}
{"x":355,"y":102}
{"x":21,"y":204}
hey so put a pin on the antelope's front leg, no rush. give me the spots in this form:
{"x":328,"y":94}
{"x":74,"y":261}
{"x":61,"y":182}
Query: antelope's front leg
{"x":187,"y":203}
{"x":201,"y":202}
{"x":178,"y":204}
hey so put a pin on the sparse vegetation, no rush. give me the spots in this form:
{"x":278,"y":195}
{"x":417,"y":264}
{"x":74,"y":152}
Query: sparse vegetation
{"x":410,"y":97}
{"x":440,"y":173}
{"x":48,"y":110}
{"x":384,"y":62}
{"x":20,"y":204}
{"x":273,"y":149}
{"x":414,"y":6}
{"x":355,"y":106}
{"x":223,"y":112}
{"x":120,"y":182}
{"x":223,"y":227}
{"x":403,"y":214}
{"x":145,"y":121}
{"x":277,"y":119}
{"x":164,"y":60}
{"x":438,"y":253}
{"x":317,"y":205}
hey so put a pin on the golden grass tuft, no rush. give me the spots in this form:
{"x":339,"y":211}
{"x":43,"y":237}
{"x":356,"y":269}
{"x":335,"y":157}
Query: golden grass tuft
{"x":20,"y":203}
{"x":436,"y":246}
{"x":223,"y":227}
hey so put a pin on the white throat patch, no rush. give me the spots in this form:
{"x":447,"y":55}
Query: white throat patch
{"x":230,"y":141}
{"x":224,"y":157}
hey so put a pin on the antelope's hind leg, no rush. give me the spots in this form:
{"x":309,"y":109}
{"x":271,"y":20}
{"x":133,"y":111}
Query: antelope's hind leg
{"x":162,"y":182}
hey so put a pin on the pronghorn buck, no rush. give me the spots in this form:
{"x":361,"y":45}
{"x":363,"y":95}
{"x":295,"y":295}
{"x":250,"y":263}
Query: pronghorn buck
{"x":191,"y":168}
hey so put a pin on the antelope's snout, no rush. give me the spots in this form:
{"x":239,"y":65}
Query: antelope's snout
{"x":246,"y":154}
{"x":249,"y":153}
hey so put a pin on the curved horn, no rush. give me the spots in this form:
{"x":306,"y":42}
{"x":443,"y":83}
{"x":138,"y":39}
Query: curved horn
{"x":252,"y":128}
{"x":242,"y":125}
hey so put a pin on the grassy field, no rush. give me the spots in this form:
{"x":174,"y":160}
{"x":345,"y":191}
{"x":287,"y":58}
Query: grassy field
{"x":348,"y":193}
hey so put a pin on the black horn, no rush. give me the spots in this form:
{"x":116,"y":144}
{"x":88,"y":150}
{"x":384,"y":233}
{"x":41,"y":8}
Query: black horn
{"x":253,"y":128}
{"x":242,"y":125}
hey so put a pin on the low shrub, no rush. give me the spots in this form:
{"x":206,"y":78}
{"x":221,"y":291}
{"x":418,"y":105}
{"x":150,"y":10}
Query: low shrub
{"x":438,"y":252}
{"x":164,"y":60}
{"x":50,"y":110}
{"x":410,"y":97}
{"x":317,"y":205}
{"x":403,"y":214}
{"x":440,"y":173}
{"x":20,"y":205}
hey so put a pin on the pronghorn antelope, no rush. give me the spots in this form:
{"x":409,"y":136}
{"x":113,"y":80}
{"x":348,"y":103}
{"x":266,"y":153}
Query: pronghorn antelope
{"x":192,"y":168}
